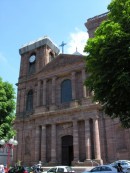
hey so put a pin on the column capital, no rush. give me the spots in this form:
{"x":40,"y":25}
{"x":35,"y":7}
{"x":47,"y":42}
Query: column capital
{"x":43,"y":127}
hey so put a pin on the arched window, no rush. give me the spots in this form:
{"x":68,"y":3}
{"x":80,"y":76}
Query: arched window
{"x":66,"y":91}
{"x":29,"y":103}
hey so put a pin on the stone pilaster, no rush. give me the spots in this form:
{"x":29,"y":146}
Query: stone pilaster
{"x":43,"y":144}
{"x":86,"y":93}
{"x":97,"y":149}
{"x":37,"y":135}
{"x":18,"y":102}
{"x":53,"y":143}
{"x":20,"y":144}
{"x":22,"y":100}
{"x":75,"y":142}
{"x":87,"y":140}
{"x":73,"y":86}
{"x":38,"y":93}
{"x":83,"y":80}
{"x":53,"y":106}
{"x":44,"y":92}
{"x":53,"y":90}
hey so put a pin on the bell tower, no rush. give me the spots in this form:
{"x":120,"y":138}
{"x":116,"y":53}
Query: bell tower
{"x":36,"y":55}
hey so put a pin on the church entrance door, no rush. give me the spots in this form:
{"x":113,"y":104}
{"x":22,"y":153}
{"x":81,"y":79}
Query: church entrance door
{"x":67,"y":150}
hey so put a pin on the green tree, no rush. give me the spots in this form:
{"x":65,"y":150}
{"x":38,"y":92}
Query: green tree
{"x":108,"y":62}
{"x":7,"y":107}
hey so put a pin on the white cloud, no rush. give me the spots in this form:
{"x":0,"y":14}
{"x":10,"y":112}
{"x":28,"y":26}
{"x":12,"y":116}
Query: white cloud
{"x":77,"y":39}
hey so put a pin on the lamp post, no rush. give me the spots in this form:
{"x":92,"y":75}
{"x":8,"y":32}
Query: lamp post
{"x":9,"y":145}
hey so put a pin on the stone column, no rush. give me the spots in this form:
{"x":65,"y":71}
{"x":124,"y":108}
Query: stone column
{"x":75,"y":142}
{"x":86,"y":93}
{"x":53,"y":90}
{"x":73,"y":86}
{"x":20,"y":144}
{"x":35,"y":97}
{"x":96,"y":140}
{"x":22,"y":100}
{"x":37,"y":140}
{"x":44,"y":92}
{"x":15,"y":149}
{"x":53,"y":143}
{"x":38,"y":93}
{"x":83,"y":80}
{"x":18,"y":101}
{"x":53,"y":98}
{"x":74,"y":102}
{"x":87,"y":140}
{"x":43,"y":144}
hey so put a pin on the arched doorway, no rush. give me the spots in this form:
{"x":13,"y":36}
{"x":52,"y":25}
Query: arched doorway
{"x":67,"y":150}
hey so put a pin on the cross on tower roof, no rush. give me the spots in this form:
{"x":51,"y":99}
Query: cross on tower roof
{"x":62,"y":45}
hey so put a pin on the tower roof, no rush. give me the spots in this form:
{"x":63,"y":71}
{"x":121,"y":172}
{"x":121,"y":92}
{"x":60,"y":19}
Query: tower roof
{"x":38,"y":43}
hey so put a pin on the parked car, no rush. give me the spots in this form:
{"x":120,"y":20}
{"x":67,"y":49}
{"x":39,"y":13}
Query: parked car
{"x":29,"y":169}
{"x":36,"y":168}
{"x":60,"y":169}
{"x":2,"y":168}
{"x":102,"y":169}
{"x":18,"y":169}
{"x":124,"y":163}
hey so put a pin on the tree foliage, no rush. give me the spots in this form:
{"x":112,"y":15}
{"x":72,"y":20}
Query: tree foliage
{"x":7,"y":107}
{"x":108,"y":62}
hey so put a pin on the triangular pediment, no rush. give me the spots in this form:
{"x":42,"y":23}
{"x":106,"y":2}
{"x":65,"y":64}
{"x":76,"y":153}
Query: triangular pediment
{"x":62,"y":61}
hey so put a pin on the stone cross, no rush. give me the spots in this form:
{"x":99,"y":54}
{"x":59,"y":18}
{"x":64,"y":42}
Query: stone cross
{"x":62,"y":45}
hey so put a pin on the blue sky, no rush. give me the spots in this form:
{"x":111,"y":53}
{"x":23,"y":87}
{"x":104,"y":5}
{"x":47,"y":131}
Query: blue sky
{"x":28,"y":20}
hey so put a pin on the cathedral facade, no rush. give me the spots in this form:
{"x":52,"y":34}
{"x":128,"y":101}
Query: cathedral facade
{"x":56,"y":121}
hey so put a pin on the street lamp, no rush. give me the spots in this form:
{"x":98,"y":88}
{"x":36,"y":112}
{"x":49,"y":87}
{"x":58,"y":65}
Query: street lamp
{"x":9,"y":145}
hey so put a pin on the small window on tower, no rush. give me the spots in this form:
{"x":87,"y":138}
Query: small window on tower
{"x":51,"y":56}
{"x":32,"y":62}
